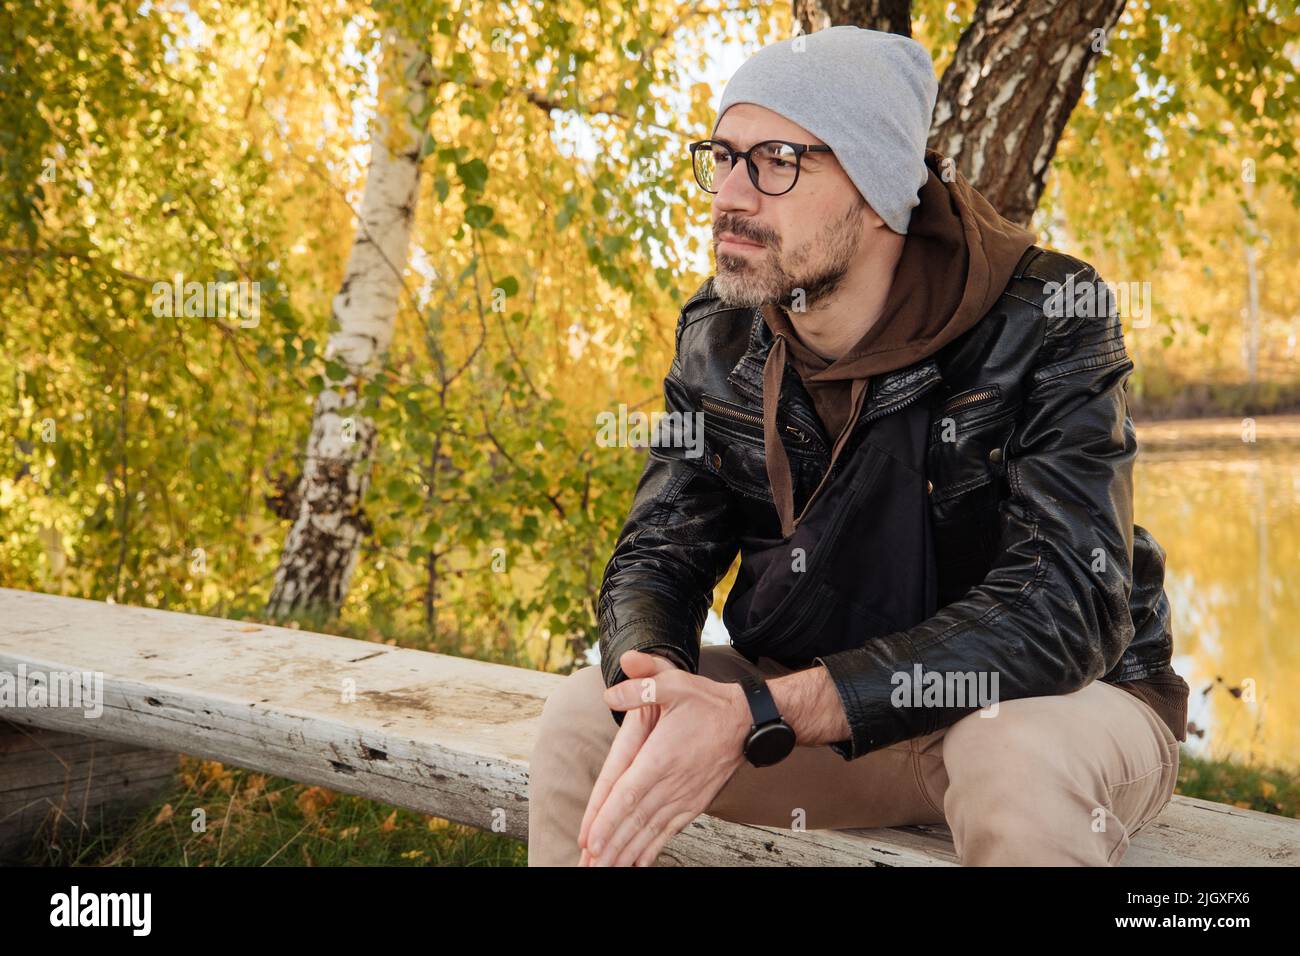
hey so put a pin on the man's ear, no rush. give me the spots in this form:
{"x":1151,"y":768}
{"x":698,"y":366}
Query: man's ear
{"x":871,"y":220}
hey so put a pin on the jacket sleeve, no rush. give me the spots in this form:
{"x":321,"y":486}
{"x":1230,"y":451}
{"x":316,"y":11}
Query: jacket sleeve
{"x":1052,"y":614}
{"x":676,"y":545}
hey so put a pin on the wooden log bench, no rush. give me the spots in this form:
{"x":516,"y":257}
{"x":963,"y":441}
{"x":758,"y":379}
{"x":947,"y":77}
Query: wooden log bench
{"x":433,"y":733}
{"x":56,"y":784}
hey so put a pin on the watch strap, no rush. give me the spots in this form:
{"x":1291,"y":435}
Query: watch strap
{"x":759,"y":696}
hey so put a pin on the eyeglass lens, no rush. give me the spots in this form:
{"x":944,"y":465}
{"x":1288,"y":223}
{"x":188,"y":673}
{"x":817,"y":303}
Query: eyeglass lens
{"x":777,"y":165}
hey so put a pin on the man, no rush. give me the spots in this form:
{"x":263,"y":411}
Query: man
{"x":923,"y":454}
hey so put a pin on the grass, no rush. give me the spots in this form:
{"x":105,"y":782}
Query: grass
{"x":246,"y":818}
{"x":1249,"y":786}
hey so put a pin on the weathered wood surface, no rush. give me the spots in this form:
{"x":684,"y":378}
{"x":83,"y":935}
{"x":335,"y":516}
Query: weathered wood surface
{"x":52,"y":779}
{"x":438,"y":734}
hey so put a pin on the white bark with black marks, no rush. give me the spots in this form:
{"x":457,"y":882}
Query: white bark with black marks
{"x":321,"y":550}
{"x":1004,"y":100}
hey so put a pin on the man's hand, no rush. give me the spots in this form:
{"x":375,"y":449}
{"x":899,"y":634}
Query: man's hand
{"x":632,"y":733}
{"x":653,"y":784}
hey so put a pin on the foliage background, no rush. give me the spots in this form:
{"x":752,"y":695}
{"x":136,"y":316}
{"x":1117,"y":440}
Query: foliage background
{"x":143,"y":459}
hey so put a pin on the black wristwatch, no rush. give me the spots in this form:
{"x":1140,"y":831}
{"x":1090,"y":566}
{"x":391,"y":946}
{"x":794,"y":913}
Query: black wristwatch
{"x":770,"y":738}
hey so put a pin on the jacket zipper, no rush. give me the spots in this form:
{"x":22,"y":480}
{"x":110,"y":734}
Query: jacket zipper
{"x":726,"y":412}
{"x":877,"y":413}
{"x":890,"y":409}
{"x":971,"y":398}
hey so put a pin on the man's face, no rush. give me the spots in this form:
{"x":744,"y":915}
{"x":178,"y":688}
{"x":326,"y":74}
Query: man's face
{"x":792,"y":249}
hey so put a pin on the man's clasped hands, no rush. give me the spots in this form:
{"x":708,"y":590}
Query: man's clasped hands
{"x":681,"y":739}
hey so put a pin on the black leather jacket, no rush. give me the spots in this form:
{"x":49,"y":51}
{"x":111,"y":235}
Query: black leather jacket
{"x":1037,"y":484}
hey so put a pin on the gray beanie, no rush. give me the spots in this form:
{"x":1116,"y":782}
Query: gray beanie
{"x":867,"y":95}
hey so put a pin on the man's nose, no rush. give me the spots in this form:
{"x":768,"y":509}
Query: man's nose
{"x":737,"y":192}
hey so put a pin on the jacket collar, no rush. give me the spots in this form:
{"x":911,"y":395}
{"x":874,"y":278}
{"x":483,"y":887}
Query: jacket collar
{"x":885,"y":390}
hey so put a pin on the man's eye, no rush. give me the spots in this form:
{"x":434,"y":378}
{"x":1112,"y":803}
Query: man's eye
{"x":778,"y":157}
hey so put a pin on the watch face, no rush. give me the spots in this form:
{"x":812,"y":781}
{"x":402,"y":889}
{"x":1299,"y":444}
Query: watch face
{"x":770,"y":744}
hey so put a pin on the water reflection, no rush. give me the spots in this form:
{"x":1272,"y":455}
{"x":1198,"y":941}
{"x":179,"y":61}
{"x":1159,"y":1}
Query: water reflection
{"x":1225,"y":505}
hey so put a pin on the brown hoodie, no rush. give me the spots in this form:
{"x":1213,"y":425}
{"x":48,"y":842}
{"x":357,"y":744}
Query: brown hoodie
{"x":957,"y":259}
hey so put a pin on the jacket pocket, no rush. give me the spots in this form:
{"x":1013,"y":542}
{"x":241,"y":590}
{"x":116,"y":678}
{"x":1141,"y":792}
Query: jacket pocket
{"x":739,"y":463}
{"x":733,"y":449}
{"x":968,"y":449}
{"x":746,"y":424}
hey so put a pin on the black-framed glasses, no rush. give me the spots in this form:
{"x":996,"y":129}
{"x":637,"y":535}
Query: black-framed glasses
{"x":773,"y":164}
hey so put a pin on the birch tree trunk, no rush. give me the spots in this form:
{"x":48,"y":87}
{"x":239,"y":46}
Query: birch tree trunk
{"x":887,"y":16}
{"x":320,"y":552}
{"x":1251,"y":312}
{"x":1014,"y":80}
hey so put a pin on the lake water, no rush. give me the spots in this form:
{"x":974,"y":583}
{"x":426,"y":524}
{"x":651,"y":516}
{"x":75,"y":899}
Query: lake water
{"x":1222,"y":496}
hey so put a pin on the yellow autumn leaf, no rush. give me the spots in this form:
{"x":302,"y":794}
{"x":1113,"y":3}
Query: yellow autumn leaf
{"x":390,"y":824}
{"x":313,"y":799}
{"x":165,"y":814}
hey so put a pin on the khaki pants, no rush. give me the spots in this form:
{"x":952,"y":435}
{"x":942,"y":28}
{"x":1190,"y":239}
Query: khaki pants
{"x":1049,"y":781}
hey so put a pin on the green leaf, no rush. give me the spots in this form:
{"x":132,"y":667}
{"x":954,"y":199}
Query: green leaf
{"x":477,"y":217}
{"x":428,"y":145}
{"x":566,"y":212}
{"x":473,"y":174}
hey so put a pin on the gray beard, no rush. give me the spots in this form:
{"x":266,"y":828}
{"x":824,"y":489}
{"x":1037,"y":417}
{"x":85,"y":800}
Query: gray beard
{"x":743,"y":283}
{"x":736,"y":284}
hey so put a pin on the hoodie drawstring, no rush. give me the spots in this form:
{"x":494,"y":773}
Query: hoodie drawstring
{"x":776,"y":460}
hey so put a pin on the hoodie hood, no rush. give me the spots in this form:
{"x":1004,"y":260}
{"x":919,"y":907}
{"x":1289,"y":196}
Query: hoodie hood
{"x":957,"y":259}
